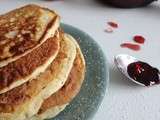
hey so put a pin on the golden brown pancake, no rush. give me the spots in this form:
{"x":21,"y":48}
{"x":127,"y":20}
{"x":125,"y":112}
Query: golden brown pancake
{"x":24,"y":101}
{"x":28,"y":66}
{"x":24,"y":29}
{"x":18,"y":94}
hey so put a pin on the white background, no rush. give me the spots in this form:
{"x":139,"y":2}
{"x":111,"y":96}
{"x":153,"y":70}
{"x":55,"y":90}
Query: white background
{"x":125,"y":100}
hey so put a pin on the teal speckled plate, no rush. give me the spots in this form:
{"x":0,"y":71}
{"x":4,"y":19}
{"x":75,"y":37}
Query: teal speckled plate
{"x":85,"y":105}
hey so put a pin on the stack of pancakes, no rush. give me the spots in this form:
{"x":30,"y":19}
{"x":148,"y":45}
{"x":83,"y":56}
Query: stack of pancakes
{"x":41,"y":67}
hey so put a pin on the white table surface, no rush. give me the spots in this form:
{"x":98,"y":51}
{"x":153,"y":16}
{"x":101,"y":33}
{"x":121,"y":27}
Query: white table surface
{"x":125,"y":100}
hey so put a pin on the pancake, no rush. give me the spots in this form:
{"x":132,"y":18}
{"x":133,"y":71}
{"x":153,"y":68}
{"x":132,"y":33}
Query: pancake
{"x":24,"y":101}
{"x":24,"y":29}
{"x":59,"y":100}
{"x":29,"y":66}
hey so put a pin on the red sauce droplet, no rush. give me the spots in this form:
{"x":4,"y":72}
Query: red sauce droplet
{"x":131,"y":46}
{"x":113,"y":24}
{"x":139,"y":39}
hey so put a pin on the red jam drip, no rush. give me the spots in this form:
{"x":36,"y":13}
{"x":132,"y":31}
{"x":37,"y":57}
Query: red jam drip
{"x":113,"y":24}
{"x":131,"y":46}
{"x":143,"y":73}
{"x":139,"y":39}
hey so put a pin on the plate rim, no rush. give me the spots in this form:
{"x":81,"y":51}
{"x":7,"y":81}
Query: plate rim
{"x":105,"y":60}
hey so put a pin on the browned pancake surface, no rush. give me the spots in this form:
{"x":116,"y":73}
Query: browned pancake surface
{"x":10,"y":100}
{"x":70,"y":89}
{"x":19,"y":29}
{"x":24,"y":66}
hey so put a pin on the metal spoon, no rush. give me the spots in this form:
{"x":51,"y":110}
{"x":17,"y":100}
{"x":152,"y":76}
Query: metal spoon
{"x":122,"y":61}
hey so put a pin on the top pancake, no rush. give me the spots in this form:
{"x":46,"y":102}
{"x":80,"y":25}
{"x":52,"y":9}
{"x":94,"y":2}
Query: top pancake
{"x":23,"y":29}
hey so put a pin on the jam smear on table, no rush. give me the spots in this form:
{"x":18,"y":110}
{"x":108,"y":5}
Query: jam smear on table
{"x":143,"y":73}
{"x":131,"y":46}
{"x":139,"y":39}
{"x":113,"y":24}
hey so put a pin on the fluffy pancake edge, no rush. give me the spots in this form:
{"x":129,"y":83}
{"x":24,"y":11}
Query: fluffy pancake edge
{"x":53,"y":111}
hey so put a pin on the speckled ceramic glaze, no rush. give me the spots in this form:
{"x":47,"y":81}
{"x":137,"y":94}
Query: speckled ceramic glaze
{"x":85,"y":105}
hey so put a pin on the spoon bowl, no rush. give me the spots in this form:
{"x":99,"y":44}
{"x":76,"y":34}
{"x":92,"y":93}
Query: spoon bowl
{"x":137,"y":71}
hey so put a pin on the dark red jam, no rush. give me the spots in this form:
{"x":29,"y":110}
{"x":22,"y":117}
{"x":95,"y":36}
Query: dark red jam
{"x":143,"y":73}
{"x":113,"y":24}
{"x":139,"y":39}
{"x":131,"y":46}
